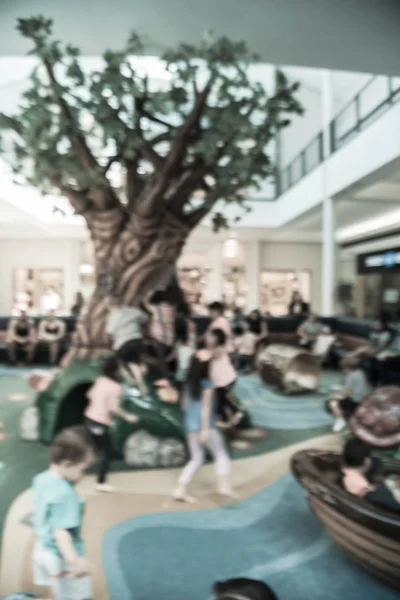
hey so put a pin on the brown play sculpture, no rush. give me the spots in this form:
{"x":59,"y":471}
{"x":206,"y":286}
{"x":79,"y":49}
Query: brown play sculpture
{"x":370,"y":535}
{"x":377,"y":420}
{"x":293,"y":369}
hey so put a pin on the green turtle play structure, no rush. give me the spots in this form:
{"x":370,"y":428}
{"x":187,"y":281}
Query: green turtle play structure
{"x":158,"y":438}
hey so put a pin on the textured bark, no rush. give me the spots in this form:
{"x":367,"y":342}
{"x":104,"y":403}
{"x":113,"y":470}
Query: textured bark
{"x":137,"y":253}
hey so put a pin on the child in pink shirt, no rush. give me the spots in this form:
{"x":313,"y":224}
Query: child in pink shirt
{"x":104,"y":402}
{"x":223,"y":376}
{"x":219,"y":321}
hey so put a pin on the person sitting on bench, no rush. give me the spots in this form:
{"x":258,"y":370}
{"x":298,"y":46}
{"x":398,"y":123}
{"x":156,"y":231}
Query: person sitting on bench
{"x":344,"y":403}
{"x":309,"y":331}
{"x":21,"y":339}
{"x":52,"y":331}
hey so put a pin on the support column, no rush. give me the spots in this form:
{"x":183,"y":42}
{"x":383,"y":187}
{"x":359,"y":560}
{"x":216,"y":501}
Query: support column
{"x":253,"y":276}
{"x":328,"y":208}
{"x":214,"y":279}
{"x":71,"y":271}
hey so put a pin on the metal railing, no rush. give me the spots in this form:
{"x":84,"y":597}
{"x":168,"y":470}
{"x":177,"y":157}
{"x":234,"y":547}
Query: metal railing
{"x":374,"y":99}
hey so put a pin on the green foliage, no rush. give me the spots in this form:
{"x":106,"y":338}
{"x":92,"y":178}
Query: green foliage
{"x":126,"y":117}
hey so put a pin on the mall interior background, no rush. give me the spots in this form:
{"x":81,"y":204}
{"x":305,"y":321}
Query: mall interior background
{"x":285,"y":242}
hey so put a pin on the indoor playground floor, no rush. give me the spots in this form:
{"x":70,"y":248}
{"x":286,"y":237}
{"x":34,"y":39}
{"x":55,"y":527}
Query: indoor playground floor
{"x":141,"y":544}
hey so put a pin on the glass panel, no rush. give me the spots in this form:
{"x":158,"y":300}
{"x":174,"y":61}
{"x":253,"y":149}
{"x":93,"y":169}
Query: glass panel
{"x":234,"y":287}
{"x":345,"y":122}
{"x":285,"y":180}
{"x":297,"y":170}
{"x":277,"y":288}
{"x":372,"y":96}
{"x":312,"y":155}
{"x":38,"y":291}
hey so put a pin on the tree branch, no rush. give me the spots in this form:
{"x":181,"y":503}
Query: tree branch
{"x":7,"y":122}
{"x":153,"y":118}
{"x":186,"y":185}
{"x":111,"y":161}
{"x":78,"y":142}
{"x":197,"y":215}
{"x":178,"y":145}
{"x":148,"y":203}
{"x":152,"y":156}
{"x":134,"y":183}
{"x":79,"y":199}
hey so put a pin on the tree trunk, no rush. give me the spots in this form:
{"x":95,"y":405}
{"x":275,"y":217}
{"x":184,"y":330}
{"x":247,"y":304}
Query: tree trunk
{"x":134,"y":256}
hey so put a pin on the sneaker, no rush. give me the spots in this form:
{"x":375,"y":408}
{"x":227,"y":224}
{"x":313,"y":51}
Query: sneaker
{"x":105,"y":488}
{"x":339,"y":425}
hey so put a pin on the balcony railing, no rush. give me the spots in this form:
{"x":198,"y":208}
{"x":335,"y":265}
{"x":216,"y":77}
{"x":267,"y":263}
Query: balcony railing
{"x":375,"y":98}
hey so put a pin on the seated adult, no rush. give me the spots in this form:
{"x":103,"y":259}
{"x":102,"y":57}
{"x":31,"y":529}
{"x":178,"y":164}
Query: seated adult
{"x":378,"y":340}
{"x":344,"y":403}
{"x":363,"y":477}
{"x":21,"y":339}
{"x":297,"y":306}
{"x":51,"y":332}
{"x":242,"y":588}
{"x":309,"y":331}
{"x":259,"y":327}
{"x":238,"y":319}
{"x":244,"y":343}
{"x":374,"y":352}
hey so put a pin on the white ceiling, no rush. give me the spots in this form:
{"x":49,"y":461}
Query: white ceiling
{"x":371,"y":208}
{"x":358,"y":35}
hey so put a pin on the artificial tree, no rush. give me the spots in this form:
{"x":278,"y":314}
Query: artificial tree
{"x":143,"y":163}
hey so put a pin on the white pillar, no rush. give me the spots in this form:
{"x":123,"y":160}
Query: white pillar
{"x":71,"y":271}
{"x":214,"y":279}
{"x":253,"y":275}
{"x":328,"y":209}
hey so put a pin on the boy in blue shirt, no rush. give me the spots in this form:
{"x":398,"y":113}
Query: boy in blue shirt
{"x":59,"y":556}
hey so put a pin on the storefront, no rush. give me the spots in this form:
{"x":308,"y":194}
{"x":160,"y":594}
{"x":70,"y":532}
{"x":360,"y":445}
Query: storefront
{"x":378,"y":283}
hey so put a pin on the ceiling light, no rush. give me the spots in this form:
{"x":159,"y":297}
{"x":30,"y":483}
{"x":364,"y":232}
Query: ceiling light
{"x":231,"y":248}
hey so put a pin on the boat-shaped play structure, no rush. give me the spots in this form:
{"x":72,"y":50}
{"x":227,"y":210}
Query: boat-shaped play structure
{"x":368,"y":534}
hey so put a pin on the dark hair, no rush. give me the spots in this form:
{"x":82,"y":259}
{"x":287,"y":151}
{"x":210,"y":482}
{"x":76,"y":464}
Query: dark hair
{"x":198,"y":370}
{"x":383,"y":320}
{"x":174,"y":295}
{"x":217,"y":306}
{"x":181,"y":330}
{"x":355,"y":453}
{"x":72,"y":444}
{"x":255,"y":315}
{"x":111,"y":367}
{"x":350,"y":362}
{"x":220,"y":336}
{"x":238,"y":331}
{"x":238,"y":311}
{"x":248,"y":589}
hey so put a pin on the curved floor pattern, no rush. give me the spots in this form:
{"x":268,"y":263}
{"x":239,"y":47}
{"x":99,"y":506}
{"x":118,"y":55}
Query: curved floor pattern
{"x":272,"y":536}
{"x":274,"y":410}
